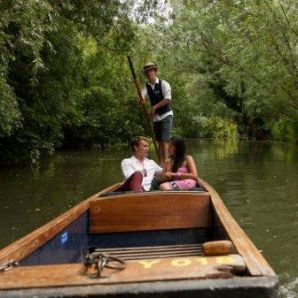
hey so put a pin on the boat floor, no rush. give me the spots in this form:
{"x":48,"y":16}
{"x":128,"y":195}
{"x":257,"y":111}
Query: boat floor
{"x":153,"y":252}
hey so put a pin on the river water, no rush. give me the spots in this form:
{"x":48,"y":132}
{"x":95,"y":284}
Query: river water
{"x":258,"y":181}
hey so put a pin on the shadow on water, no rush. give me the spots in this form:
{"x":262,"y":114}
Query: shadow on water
{"x":257,"y":181}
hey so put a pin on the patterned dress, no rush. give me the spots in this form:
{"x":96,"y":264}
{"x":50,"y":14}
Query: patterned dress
{"x":180,"y":183}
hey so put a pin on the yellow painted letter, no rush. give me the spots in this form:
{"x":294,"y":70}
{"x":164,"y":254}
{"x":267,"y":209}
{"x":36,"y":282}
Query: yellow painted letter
{"x":148,"y":264}
{"x":181,"y":262}
{"x":203,"y":261}
{"x":225,"y":260}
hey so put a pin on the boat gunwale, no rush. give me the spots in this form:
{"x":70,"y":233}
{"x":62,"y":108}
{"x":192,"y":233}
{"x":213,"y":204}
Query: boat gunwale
{"x":255,"y":261}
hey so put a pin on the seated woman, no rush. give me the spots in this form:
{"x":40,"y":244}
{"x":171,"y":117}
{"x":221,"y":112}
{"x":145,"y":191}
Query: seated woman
{"x":179,"y":170}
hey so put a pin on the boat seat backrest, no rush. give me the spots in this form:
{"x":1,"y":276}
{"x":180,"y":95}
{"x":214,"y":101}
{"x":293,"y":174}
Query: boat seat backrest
{"x":150,"y":211}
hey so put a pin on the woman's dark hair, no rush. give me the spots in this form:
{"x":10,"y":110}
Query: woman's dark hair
{"x":180,"y":151}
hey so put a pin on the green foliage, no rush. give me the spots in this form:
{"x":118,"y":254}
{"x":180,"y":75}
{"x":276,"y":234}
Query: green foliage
{"x":285,"y":130}
{"x":212,"y":127}
{"x":46,"y":85}
{"x":9,"y":112}
{"x":65,"y":82}
{"x":243,"y":53}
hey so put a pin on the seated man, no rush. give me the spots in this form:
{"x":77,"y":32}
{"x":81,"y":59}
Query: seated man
{"x":138,"y":170}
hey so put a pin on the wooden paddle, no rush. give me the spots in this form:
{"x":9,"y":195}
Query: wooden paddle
{"x":148,"y":121}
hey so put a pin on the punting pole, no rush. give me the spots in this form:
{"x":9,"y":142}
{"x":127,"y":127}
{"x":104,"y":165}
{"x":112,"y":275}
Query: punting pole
{"x":148,"y":121}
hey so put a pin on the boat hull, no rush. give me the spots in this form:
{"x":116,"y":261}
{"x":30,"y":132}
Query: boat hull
{"x":155,"y":234}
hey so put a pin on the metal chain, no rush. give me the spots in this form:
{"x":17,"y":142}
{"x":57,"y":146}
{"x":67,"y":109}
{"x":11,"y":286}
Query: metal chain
{"x":101,"y":260}
{"x":8,"y":265}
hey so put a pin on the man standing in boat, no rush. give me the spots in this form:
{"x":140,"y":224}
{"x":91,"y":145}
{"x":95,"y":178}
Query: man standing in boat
{"x":138,"y":170}
{"x":159,"y":93}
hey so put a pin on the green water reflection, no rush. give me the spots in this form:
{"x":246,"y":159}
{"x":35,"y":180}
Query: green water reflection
{"x":257,"y":181}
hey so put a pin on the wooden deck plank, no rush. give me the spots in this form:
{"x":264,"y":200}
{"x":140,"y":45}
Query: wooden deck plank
{"x":131,"y":252}
{"x":154,"y":248}
{"x":136,"y":253}
{"x":136,"y":271}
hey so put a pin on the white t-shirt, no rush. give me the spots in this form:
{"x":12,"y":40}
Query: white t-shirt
{"x":149,"y":166}
{"x":167,"y":94}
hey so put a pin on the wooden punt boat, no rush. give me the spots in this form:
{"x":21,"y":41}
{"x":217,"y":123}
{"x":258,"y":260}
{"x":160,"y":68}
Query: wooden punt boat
{"x":143,"y":244}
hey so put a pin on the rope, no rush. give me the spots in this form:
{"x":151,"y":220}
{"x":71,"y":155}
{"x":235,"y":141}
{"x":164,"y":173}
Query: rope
{"x":8,"y":265}
{"x":101,"y":260}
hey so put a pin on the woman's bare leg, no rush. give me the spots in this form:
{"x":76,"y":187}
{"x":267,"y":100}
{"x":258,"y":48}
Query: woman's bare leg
{"x":165,"y":186}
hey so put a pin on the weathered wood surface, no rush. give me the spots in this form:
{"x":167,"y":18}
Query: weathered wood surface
{"x":256,"y":263}
{"x":26,"y":245}
{"x":150,"y":211}
{"x":236,"y":287}
{"x":136,"y":271}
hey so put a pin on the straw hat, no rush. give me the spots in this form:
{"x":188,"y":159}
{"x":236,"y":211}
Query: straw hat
{"x":149,"y":65}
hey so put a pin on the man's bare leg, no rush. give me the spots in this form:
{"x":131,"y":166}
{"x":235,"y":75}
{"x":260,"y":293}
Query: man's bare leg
{"x":163,"y":148}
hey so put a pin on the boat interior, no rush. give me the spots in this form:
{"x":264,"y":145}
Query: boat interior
{"x":135,"y":226}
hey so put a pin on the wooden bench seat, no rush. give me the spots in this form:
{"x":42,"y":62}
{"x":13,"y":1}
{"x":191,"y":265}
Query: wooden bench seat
{"x":150,"y":211}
